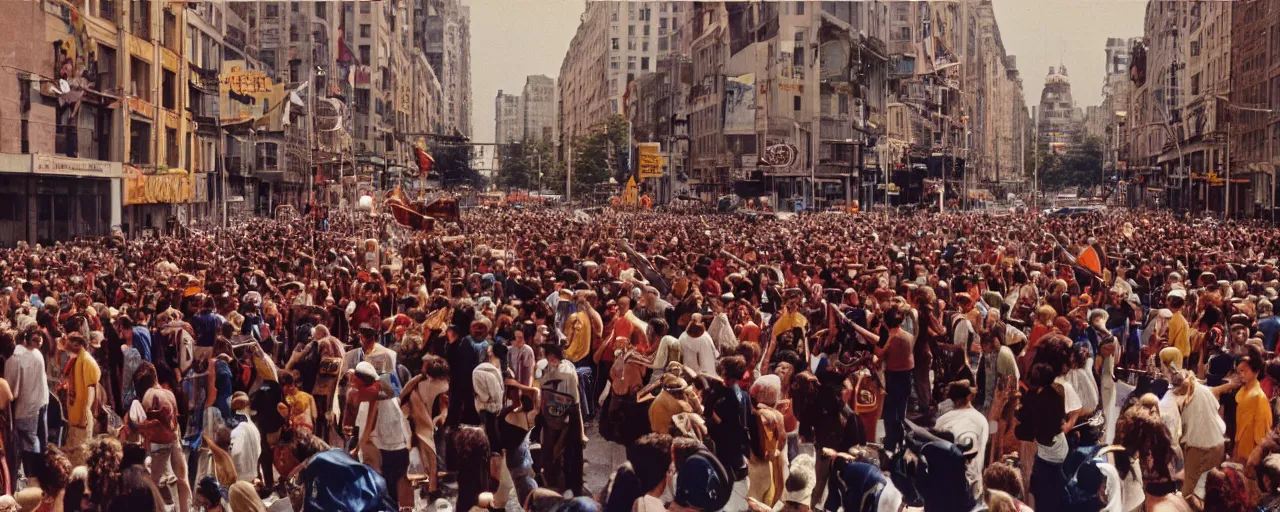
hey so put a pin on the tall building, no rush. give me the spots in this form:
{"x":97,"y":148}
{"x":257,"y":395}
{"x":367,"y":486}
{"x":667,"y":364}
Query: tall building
{"x":615,"y":42}
{"x":1253,"y":131}
{"x":508,"y":119}
{"x":442,"y":30}
{"x":539,"y":103}
{"x":1059,"y":127}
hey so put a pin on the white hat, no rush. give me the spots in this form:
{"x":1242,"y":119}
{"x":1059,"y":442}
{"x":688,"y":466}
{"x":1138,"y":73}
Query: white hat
{"x":802,"y":468}
{"x":366,"y":368}
{"x":1178,"y":292}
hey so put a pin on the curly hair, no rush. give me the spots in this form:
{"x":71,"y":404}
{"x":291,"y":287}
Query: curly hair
{"x":1141,"y":431}
{"x":435,"y":367}
{"x":1226,"y":489}
{"x":1055,"y":351}
{"x":103,"y":460}
{"x":54,"y":470}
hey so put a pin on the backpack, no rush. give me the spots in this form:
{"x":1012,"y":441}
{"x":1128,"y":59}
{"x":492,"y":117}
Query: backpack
{"x":1085,"y":476}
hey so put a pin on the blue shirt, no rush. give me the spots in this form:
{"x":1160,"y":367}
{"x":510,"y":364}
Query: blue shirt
{"x":1270,"y":327}
{"x":207,"y":324}
{"x":142,"y":341}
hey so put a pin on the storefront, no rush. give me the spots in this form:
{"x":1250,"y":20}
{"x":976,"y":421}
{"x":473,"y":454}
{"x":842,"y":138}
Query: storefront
{"x":48,"y":198}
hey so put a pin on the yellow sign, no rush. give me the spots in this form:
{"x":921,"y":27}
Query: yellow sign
{"x":631,"y":193}
{"x":246,"y":81}
{"x":176,"y":187}
{"x":650,"y":159}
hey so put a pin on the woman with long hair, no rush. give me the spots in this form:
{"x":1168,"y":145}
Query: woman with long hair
{"x":1141,"y":431}
{"x":1225,"y":488}
{"x":473,"y":465}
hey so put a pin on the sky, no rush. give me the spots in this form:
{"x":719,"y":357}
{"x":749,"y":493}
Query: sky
{"x":511,"y":39}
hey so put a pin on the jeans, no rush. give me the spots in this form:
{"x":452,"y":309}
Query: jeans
{"x":1048,"y":485}
{"x":897,"y":391}
{"x":395,"y":465}
{"x":520,"y":464}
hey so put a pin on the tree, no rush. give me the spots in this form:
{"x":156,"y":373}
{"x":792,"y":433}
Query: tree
{"x":1081,"y":166}
{"x":601,"y":155}
{"x":520,"y":163}
{"x":454,"y":165}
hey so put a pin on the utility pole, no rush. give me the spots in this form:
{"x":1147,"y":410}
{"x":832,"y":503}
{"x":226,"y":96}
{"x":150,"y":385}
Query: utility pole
{"x":568,"y":176}
{"x":815,"y":123}
{"x":1226,"y":186}
{"x":942,"y":195}
{"x":1035,"y":163}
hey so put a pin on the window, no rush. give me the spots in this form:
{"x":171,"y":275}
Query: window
{"x":615,"y":43}
{"x":171,"y":147}
{"x":613,"y":65}
{"x":662,"y":7}
{"x":644,"y":47}
{"x":631,"y":45}
{"x":273,"y":10}
{"x":365,"y":30}
{"x":364,"y":8}
{"x":293,"y":7}
{"x":293,"y":32}
{"x":844,"y":103}
{"x":800,"y":10}
{"x":140,"y":79}
{"x":106,"y":68}
{"x":631,"y":30}
{"x":169,"y":93}
{"x":170,"y":27}
{"x":631,"y":65}
{"x":646,"y":29}
{"x":295,"y":70}
{"x":644,"y":63}
{"x":364,"y":54}
{"x":1195,"y":84}
{"x":662,"y":44}
{"x":795,"y":102}
{"x":613,"y":16}
{"x":139,"y":142}
{"x":662,"y":26}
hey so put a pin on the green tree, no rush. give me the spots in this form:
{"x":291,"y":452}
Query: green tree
{"x":520,"y":164}
{"x":601,"y":155}
{"x":1081,"y":166}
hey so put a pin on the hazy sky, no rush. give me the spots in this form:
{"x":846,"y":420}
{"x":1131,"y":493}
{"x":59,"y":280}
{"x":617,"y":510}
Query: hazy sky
{"x":511,"y":39}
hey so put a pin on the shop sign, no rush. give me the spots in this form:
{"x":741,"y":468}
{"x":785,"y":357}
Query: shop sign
{"x":246,"y":81}
{"x":650,"y":159}
{"x":158,"y":188}
{"x":50,"y":164}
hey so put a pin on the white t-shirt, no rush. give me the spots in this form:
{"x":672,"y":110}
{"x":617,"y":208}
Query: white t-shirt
{"x":1057,"y":452}
{"x":1086,"y":387}
{"x":968,"y":426}
{"x":1202,"y":427}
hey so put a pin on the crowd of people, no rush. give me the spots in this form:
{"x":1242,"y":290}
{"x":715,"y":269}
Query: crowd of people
{"x":736,"y":362}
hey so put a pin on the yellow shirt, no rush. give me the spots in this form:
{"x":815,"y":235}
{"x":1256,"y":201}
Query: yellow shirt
{"x":85,"y":375}
{"x":1180,"y":334}
{"x":300,"y":404}
{"x":579,"y":336}
{"x":1253,"y":419}
{"x":663,"y":409}
{"x":790,"y":321}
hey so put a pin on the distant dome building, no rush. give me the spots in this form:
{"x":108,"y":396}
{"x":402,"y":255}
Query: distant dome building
{"x":1060,"y":120}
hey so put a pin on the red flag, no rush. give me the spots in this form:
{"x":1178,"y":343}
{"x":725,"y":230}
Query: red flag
{"x":424,"y":161}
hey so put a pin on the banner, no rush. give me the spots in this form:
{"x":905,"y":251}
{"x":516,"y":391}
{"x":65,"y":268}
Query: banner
{"x":650,"y":159}
{"x":176,"y":187}
{"x":740,"y":104}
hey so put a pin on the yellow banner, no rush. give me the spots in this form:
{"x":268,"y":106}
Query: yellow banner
{"x":631,"y":193}
{"x":650,"y":159}
{"x":158,"y":188}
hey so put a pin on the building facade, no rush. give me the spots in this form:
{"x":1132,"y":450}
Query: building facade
{"x":539,"y":103}
{"x":508,"y":119}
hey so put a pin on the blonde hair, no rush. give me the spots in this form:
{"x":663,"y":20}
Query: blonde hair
{"x":1000,"y":501}
{"x":1045,"y":315}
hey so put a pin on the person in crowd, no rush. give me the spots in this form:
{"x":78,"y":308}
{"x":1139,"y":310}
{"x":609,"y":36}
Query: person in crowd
{"x":24,"y":371}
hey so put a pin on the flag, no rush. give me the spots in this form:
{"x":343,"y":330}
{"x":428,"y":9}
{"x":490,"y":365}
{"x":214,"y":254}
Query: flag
{"x":424,"y":161}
